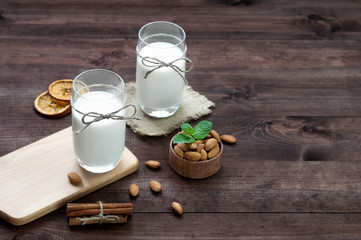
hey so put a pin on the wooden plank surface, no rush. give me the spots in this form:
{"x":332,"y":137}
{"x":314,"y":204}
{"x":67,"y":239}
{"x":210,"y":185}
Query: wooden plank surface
{"x":200,"y":225}
{"x":285,"y":77}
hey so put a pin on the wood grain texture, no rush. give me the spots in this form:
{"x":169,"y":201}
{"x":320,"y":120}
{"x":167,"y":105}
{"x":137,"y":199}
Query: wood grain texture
{"x":192,"y":226}
{"x":285,"y":77}
{"x":258,"y":20}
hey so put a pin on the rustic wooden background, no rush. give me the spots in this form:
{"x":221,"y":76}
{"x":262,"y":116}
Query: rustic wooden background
{"x":286,"y":80}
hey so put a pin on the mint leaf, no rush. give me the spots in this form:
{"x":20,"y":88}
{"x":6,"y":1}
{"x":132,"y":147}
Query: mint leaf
{"x":202,"y":129}
{"x":183,"y":138}
{"x":187,"y":128}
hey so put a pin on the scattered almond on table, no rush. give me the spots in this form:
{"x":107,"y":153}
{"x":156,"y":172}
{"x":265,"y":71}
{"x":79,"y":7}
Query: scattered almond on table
{"x":228,"y":138}
{"x":152,"y":164}
{"x":177,"y":208}
{"x":74,"y":178}
{"x":134,"y":189}
{"x":155,"y":186}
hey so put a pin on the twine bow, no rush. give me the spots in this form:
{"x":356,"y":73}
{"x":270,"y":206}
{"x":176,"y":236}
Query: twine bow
{"x":96,"y":117}
{"x":155,"y":64}
{"x":101,"y":217}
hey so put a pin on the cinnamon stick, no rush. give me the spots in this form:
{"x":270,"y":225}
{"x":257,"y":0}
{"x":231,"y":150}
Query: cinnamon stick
{"x":90,"y":212}
{"x":75,"y":221}
{"x":85,"y":206}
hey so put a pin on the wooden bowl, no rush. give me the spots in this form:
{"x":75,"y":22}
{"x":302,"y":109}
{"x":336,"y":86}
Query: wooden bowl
{"x":195,"y":169}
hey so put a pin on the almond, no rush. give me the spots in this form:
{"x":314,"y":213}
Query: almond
{"x":177,"y":208}
{"x":214,"y":152}
{"x":228,"y":138}
{"x":210,"y":144}
{"x":215,"y":135}
{"x":178,"y":151}
{"x":204,"y":155}
{"x":209,"y":135}
{"x":152,"y":164}
{"x":155,"y":186}
{"x":134,"y":190}
{"x":194,"y":156}
{"x":74,"y":178}
{"x":200,"y":147}
{"x":199,"y":141}
{"x":183,"y":146}
{"x":192,"y":146}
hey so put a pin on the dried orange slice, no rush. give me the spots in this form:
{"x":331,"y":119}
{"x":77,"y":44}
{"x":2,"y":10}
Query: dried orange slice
{"x":61,"y":89}
{"x":50,"y":107}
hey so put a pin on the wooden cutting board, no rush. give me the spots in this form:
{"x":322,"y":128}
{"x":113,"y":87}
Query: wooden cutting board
{"x":34,"y":179}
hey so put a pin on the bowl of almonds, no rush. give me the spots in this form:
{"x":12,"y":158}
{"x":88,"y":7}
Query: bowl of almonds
{"x":196,"y":152}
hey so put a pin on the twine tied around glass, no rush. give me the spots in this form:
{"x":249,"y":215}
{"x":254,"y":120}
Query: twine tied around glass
{"x":96,"y":117}
{"x":101,"y":217}
{"x":155,"y":63}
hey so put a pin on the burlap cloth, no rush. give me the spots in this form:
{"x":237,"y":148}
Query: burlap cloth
{"x":194,"y":106}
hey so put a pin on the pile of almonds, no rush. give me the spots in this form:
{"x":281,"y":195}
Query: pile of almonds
{"x":205,"y":149}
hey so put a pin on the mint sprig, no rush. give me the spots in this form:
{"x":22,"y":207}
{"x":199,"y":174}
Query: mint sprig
{"x":187,"y":128}
{"x":190,"y":135}
{"x":202,"y":129}
{"x":183,"y":138}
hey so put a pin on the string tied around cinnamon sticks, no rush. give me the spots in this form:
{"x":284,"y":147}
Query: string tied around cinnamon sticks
{"x":101,"y":217}
{"x":98,"y":213}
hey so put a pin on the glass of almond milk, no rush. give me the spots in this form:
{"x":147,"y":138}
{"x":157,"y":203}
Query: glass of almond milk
{"x":159,"y":88}
{"x":98,"y":139}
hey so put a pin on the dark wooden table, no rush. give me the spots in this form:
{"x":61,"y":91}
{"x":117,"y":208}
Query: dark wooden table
{"x":286,"y":80}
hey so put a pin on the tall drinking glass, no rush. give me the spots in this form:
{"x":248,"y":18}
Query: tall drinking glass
{"x":160,"y":71}
{"x":98,"y":139}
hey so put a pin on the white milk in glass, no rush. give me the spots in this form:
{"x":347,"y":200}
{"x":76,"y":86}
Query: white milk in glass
{"x":162,"y":91}
{"x":99,"y":147}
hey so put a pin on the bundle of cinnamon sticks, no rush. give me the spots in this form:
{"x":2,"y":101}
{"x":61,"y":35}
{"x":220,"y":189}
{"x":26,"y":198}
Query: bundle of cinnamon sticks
{"x":97,"y":213}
